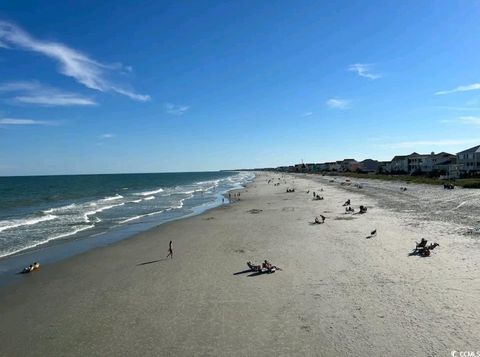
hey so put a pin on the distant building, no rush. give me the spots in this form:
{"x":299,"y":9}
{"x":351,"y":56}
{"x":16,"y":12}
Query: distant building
{"x":313,"y":168}
{"x":399,"y":164}
{"x":348,"y":165}
{"x":368,"y":165}
{"x":426,"y":163}
{"x":384,"y":166}
{"x":469,"y":160}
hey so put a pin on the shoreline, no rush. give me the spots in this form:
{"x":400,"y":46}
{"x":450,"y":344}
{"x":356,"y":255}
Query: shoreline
{"x":58,"y":250}
{"x":337,"y":293}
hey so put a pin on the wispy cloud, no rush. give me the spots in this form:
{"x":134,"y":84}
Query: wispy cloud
{"x":307,"y":114}
{"x":337,"y":103}
{"x":35,"y":93}
{"x":72,"y":63}
{"x":107,"y":136}
{"x":467,"y":88}
{"x":458,"y":109}
{"x":173,"y":109}
{"x":16,"y":121}
{"x":471,"y":120}
{"x":430,"y":143}
{"x":364,"y":70}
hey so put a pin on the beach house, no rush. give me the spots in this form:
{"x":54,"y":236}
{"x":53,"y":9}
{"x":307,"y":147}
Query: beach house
{"x":399,"y":164}
{"x":368,"y":165}
{"x":349,"y":165}
{"x":469,"y":160}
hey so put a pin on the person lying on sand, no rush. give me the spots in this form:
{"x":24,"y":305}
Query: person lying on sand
{"x":265,"y":267}
{"x":269,"y":267}
{"x":31,"y":267}
{"x":254,"y":267}
{"x":27,"y":269}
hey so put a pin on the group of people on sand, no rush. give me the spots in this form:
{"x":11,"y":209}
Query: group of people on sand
{"x":236,"y":196}
{"x":265,"y":267}
{"x":350,"y":209}
{"x":289,"y":190}
{"x":269,"y":181}
{"x":31,"y":267}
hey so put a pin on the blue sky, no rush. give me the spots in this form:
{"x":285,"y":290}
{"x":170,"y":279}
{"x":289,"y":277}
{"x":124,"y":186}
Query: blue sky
{"x":153,"y":86}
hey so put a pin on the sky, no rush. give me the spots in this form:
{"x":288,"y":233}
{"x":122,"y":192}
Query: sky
{"x":170,"y":86}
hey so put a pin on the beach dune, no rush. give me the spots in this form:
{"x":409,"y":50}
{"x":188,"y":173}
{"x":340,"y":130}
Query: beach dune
{"x":338,"y":293}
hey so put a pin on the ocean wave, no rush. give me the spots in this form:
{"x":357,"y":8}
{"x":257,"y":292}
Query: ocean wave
{"x":140,"y":216}
{"x":148,"y":193}
{"x":149,"y":198}
{"x":180,"y":203}
{"x":136,"y":201}
{"x":209,"y":182}
{"x":64,"y":235}
{"x":91,"y":213}
{"x":62,"y":208}
{"x":113,"y":198}
{"x":4,"y":225}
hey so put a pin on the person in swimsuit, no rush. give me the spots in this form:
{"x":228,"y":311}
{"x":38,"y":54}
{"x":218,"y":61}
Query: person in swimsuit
{"x":170,"y":251}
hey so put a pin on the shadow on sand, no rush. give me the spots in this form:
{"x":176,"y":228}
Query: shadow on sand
{"x":151,"y":262}
{"x":253,"y":273}
{"x":242,"y":272}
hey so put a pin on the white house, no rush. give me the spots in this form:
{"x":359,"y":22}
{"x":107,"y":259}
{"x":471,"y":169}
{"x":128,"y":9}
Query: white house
{"x":469,"y":160}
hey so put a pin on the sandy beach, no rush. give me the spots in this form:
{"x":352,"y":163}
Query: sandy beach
{"x":338,"y":293}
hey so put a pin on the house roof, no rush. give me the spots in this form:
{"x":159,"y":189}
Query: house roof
{"x":474,"y":149}
{"x":399,"y":157}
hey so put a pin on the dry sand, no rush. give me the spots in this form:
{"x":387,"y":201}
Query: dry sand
{"x":339,"y":294}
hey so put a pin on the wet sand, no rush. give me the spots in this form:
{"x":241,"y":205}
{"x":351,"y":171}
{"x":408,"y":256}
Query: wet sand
{"x":338,"y":293}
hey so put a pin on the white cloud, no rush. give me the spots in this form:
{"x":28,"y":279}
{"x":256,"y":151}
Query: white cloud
{"x":176,"y":109}
{"x":107,"y":136}
{"x":36,"y":93}
{"x":467,"y":88}
{"x":446,"y":142}
{"x":469,"y":120}
{"x":337,"y":103}
{"x":72,"y":63}
{"x":364,"y":70}
{"x":57,"y":100}
{"x":307,"y":114}
{"x":16,"y":121}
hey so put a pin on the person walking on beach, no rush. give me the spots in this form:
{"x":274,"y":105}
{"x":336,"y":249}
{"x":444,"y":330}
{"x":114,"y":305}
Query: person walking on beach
{"x":170,"y":251}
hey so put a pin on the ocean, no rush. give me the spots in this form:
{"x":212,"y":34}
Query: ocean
{"x":41,"y":211}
